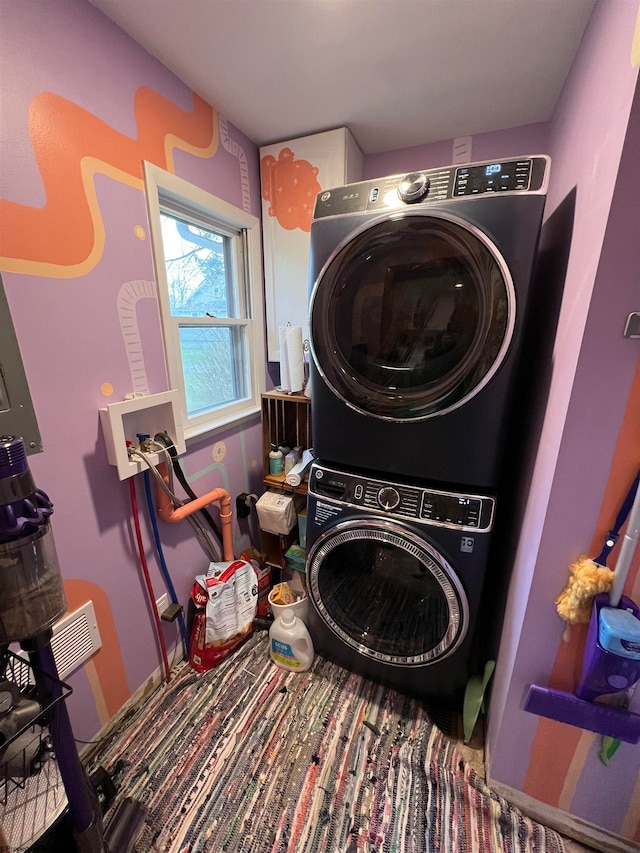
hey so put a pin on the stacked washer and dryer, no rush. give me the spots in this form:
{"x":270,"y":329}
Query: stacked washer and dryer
{"x":422,"y":284}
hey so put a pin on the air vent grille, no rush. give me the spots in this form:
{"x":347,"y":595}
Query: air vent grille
{"x":75,"y":639}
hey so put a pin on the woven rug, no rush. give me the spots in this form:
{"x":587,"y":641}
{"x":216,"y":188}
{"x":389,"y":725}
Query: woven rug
{"x":249,"y":758}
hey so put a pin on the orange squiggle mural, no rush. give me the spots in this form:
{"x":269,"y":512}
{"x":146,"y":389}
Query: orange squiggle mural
{"x":65,"y":238}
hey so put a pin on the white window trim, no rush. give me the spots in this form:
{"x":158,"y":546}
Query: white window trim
{"x":158,"y":183}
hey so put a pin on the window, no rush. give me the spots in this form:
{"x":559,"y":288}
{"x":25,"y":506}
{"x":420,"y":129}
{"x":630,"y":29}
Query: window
{"x":207,"y":256}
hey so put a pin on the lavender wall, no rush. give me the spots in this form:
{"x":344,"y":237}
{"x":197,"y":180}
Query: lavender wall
{"x":72,"y":342}
{"x":513,"y":142}
{"x":593,"y":368}
{"x":70,"y":335}
{"x":593,"y":372}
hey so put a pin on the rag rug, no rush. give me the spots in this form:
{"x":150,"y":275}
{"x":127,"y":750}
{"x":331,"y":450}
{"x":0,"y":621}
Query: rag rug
{"x":250,"y":758}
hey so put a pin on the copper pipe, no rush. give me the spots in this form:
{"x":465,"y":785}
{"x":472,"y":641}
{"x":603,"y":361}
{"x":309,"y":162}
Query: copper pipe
{"x":168,"y":512}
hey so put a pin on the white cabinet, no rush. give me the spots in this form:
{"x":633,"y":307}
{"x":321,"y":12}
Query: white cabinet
{"x":292,"y":175}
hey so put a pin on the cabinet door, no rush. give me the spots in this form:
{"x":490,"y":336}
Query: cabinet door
{"x":292,"y":175}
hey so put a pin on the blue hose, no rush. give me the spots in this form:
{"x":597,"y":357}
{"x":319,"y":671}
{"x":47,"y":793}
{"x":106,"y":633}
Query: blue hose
{"x":163,"y":564}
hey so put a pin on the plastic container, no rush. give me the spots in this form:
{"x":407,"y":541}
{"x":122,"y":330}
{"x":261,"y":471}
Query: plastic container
{"x":291,"y":459}
{"x":619,"y":632}
{"x":603,"y":671}
{"x":32,"y":594}
{"x":290,"y":645}
{"x":276,"y":461}
{"x":299,"y":608}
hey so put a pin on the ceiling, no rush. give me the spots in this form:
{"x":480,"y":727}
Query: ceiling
{"x":398,"y":73}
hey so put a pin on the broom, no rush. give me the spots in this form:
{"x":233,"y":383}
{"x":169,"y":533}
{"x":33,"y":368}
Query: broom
{"x":588,"y":577}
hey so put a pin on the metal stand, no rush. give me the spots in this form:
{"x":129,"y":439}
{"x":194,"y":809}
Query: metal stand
{"x":31,"y":600}
{"x":84,"y":809}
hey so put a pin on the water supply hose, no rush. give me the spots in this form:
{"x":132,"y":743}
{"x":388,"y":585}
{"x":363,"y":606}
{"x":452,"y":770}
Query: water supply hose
{"x":163,"y":563}
{"x":201,"y":534}
{"x":147,"y":579}
{"x":164,"y":439}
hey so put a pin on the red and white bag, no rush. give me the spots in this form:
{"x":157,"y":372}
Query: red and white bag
{"x":227,"y":598}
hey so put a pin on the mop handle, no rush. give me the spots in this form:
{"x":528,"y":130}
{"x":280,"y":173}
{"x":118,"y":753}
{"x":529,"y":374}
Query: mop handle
{"x":613,"y":535}
{"x":629,"y":542}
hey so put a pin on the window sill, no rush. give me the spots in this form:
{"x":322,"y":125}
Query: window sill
{"x":197,"y":434}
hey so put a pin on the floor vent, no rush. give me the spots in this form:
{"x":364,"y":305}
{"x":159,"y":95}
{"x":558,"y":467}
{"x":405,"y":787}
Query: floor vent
{"x":75,"y":638}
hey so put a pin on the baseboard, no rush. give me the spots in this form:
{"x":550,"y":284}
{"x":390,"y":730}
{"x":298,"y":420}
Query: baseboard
{"x":565,"y":823}
{"x":175,"y":654}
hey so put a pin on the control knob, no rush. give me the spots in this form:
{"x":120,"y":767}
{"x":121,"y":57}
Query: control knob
{"x":388,"y":498}
{"x":413,"y":187}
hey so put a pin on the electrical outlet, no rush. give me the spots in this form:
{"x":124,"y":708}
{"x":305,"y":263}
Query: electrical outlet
{"x":162,"y":603}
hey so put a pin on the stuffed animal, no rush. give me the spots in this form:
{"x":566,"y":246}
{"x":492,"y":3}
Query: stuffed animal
{"x":586,"y":579}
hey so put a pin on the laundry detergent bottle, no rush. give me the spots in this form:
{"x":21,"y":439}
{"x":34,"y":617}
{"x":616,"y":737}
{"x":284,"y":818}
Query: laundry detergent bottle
{"x":290,"y":645}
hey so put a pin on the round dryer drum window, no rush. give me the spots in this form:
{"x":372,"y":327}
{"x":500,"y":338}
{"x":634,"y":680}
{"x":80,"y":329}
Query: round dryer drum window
{"x":386,"y":593}
{"x":412,"y":316}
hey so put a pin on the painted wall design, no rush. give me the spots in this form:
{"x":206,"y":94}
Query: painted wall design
{"x":572,"y":755}
{"x":71,"y":146}
{"x":84,"y":107}
{"x":70,"y":322}
{"x":128,"y":297}
{"x":293,"y":208}
{"x":586,"y":460}
{"x":234,"y":147}
{"x":105,"y":672}
{"x":560,"y":754}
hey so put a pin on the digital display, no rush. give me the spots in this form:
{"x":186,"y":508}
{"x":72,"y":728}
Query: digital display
{"x":452,"y":509}
{"x":492,"y":177}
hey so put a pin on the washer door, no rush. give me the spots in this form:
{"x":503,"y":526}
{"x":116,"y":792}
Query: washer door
{"x":387,"y":593}
{"x":412,"y":316}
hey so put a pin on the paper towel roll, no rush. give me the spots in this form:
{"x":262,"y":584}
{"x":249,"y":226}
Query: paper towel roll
{"x":291,"y":358}
{"x":296,"y":475}
{"x":285,"y":379}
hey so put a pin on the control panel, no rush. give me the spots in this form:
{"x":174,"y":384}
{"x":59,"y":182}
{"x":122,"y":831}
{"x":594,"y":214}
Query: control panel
{"x":427,"y":506}
{"x":493,"y":177}
{"x":522,"y":175}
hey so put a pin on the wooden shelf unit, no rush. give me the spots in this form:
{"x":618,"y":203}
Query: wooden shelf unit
{"x":275,"y":545}
{"x":286,"y":419}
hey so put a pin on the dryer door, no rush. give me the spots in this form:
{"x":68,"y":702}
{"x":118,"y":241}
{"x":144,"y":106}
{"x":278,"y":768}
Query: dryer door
{"x":412,"y":316}
{"x":387,"y":593}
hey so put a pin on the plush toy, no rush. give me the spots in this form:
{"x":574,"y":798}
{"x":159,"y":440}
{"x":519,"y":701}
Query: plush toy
{"x":586,"y":579}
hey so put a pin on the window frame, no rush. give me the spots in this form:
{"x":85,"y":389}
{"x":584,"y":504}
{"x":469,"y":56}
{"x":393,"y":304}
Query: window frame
{"x":168,"y":193}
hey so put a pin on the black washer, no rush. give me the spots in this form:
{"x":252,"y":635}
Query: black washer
{"x":396,"y":593}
